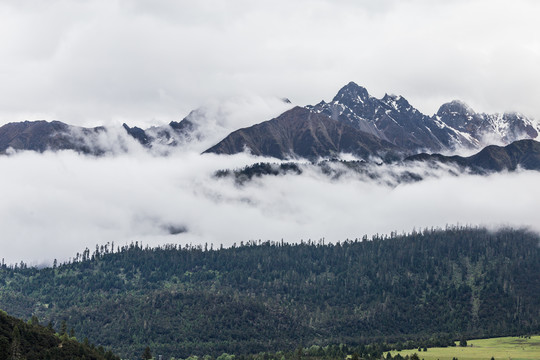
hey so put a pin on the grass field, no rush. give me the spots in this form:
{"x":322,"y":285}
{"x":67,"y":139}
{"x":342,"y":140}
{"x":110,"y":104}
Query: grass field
{"x":514,"y":348}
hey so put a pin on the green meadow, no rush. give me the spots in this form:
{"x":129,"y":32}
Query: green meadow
{"x":515,"y":348}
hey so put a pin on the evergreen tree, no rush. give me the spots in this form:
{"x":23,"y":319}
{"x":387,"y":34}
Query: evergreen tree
{"x":16,"y":344}
{"x":264,"y":296}
{"x":147,"y":355}
{"x":63,"y":328}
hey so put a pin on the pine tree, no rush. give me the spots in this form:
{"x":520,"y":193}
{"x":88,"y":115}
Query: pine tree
{"x":50,"y":327}
{"x":147,"y":355}
{"x":63,"y":328}
{"x":16,"y":344}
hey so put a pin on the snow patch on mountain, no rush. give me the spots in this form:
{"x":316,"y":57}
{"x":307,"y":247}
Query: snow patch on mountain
{"x":456,"y":127}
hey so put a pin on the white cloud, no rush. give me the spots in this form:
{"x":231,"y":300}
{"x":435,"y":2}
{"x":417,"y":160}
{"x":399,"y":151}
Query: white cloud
{"x":56,"y":204}
{"x":108,"y":62}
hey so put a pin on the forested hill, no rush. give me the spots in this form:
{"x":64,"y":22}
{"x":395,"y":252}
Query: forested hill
{"x":32,"y":341}
{"x":270,"y":296}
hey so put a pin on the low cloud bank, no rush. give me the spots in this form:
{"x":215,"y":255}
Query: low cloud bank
{"x":56,"y":204}
{"x":208,"y":125}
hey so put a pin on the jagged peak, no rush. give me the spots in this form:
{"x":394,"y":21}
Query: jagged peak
{"x":393,"y":97}
{"x":352,"y":91}
{"x":299,"y":110}
{"x":455,"y":106}
{"x":32,"y":122}
{"x":515,"y":114}
{"x":395,"y":101}
{"x":193,"y":114}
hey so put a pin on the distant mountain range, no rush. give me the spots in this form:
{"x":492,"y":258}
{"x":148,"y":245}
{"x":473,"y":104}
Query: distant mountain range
{"x":353,"y":122}
{"x":454,"y":126}
{"x":42,"y":136}
{"x":524,"y":154}
{"x":521,"y":154}
{"x":392,"y":120}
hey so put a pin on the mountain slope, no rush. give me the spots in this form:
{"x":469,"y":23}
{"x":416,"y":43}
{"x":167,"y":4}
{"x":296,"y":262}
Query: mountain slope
{"x":43,"y":135}
{"x":454,"y":126}
{"x":503,"y":128}
{"x":300,"y":132}
{"x":270,"y":296}
{"x":389,"y":120}
{"x":524,"y":154}
{"x":31,"y":341}
{"x":521,"y":154}
{"x":173,"y":134}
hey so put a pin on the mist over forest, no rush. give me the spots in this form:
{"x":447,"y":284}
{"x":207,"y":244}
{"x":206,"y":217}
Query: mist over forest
{"x":56,"y":204}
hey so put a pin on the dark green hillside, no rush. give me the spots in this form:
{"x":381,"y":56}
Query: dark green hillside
{"x":31,"y":341}
{"x":265,"y":296}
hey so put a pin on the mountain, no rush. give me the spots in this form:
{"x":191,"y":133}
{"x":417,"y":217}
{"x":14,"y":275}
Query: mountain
{"x":354,"y":122}
{"x":391,"y":118}
{"x":260,"y":296}
{"x":455,"y":126}
{"x":301,"y":132}
{"x":31,"y":341}
{"x":43,"y":135}
{"x":502,"y":128}
{"x":173,"y":134}
{"x":523,"y":154}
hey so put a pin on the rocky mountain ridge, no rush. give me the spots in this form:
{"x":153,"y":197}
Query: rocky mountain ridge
{"x":453,"y":127}
{"x":303,"y":133}
{"x":353,"y":122}
{"x":43,"y":136}
{"x":519,"y":155}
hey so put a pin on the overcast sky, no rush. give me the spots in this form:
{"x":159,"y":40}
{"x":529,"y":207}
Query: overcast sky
{"x":150,"y":62}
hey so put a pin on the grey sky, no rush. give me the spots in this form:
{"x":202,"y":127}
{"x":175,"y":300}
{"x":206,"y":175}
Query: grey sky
{"x":150,"y":62}
{"x":105,"y":62}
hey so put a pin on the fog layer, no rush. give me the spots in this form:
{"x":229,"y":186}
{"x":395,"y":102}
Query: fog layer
{"x":56,"y":204}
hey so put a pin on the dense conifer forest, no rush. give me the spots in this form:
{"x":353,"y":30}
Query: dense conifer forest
{"x":430,"y":286}
{"x":32,"y":341}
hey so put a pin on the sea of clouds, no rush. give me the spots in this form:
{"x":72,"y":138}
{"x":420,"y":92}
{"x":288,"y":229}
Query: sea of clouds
{"x":56,"y":204}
